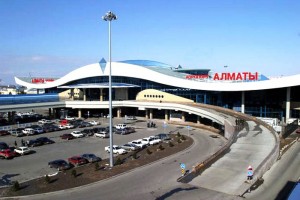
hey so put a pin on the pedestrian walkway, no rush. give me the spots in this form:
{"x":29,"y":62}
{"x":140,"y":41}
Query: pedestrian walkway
{"x":254,"y":143}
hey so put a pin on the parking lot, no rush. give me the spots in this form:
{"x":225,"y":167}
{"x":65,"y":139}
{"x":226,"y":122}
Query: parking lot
{"x":36,"y":164}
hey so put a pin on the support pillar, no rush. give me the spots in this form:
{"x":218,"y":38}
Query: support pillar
{"x":79,"y":113}
{"x":183,"y":117}
{"x":50,"y":112}
{"x":151,"y":114}
{"x":119,"y":111}
{"x":146,"y":114}
{"x":288,"y":104}
{"x":101,"y":94}
{"x":198,"y":119}
{"x":166,"y":115}
{"x":72,"y":94}
{"x":84,"y":94}
{"x":243,"y":102}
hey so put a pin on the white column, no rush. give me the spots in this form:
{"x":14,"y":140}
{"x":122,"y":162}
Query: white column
{"x":151,"y":113}
{"x":183,"y":116}
{"x":288,"y":104}
{"x":84,"y":94}
{"x":243,"y":102}
{"x":79,"y":113}
{"x":166,"y":115}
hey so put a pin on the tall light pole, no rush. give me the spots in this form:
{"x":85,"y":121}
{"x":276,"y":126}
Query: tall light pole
{"x":109,"y":16}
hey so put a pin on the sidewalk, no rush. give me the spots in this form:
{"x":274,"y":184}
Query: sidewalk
{"x":284,"y":170}
{"x":227,"y":174}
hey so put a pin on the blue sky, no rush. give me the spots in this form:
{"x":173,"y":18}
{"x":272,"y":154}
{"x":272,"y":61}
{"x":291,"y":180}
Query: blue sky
{"x":49,"y":38}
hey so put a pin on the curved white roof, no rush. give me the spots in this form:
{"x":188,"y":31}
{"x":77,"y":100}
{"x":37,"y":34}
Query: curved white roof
{"x":159,"y":76}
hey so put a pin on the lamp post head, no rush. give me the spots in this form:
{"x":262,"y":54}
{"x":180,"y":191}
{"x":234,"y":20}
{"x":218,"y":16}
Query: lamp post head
{"x":109,"y":16}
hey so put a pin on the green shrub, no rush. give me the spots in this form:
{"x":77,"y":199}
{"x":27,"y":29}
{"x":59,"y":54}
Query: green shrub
{"x":74,"y":173}
{"x":178,"y":134}
{"x":118,"y":161}
{"x":47,"y":179}
{"x":160,"y":147}
{"x":171,"y":144}
{"x":15,"y":186}
{"x":182,"y":138}
{"x":178,"y":140}
{"x":148,"y":151}
{"x":134,"y":155}
{"x":97,"y":166}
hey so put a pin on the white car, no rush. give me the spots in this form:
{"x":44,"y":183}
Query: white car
{"x":77,"y":134}
{"x":102,"y":134}
{"x":69,"y":126}
{"x":62,"y":127}
{"x":138,"y":143}
{"x":121,"y":126}
{"x":69,"y":118}
{"x":150,"y":141}
{"x":44,"y":121}
{"x":94,"y":123}
{"x":130,"y":147}
{"x":116,"y":149}
{"x":23,"y":150}
{"x":28,"y":131}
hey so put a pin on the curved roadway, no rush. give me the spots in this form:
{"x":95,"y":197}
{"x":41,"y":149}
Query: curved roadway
{"x":153,"y":181}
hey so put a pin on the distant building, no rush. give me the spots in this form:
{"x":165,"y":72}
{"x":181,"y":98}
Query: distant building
{"x":8,"y":90}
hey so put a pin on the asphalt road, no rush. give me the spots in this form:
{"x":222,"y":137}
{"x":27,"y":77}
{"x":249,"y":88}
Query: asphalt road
{"x":154,"y":181}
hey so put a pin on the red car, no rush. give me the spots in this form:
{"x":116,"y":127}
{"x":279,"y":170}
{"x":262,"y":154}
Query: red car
{"x":77,"y":160}
{"x":4,"y":132}
{"x":7,"y":154}
{"x":67,"y":136}
{"x":298,"y":130}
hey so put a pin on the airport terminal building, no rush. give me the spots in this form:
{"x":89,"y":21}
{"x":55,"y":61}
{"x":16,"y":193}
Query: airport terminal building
{"x":247,"y":92}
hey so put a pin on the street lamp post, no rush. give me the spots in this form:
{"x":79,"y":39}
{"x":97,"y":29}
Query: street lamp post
{"x":109,"y":16}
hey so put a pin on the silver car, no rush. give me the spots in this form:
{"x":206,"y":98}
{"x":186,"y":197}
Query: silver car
{"x":130,"y":147}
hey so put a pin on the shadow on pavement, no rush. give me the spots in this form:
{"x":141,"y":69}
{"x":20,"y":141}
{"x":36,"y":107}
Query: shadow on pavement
{"x":172,"y":192}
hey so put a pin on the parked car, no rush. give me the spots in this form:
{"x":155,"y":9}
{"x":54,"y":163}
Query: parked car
{"x":84,"y":124}
{"x":69,"y":126}
{"x":59,"y":164}
{"x":3,"y":132}
{"x":33,"y":143}
{"x":130,"y":147}
{"x":94,"y":123}
{"x":130,"y":117}
{"x":298,"y":130}
{"x":121,"y":126}
{"x":150,"y":141}
{"x":16,"y":133}
{"x":69,"y":118}
{"x":3,"y":146}
{"x":45,"y":140}
{"x":102,"y":134}
{"x":77,"y":134}
{"x":91,"y":157}
{"x":28,"y":131}
{"x":23,"y":150}
{"x":116,"y":149}
{"x":7,"y":154}
{"x":88,"y":132}
{"x":44,"y":121}
{"x":77,"y":160}
{"x":62,"y":127}
{"x":163,"y":136}
{"x":125,"y":131}
{"x":38,"y":130}
{"x":138,"y":143}
{"x":67,"y":136}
